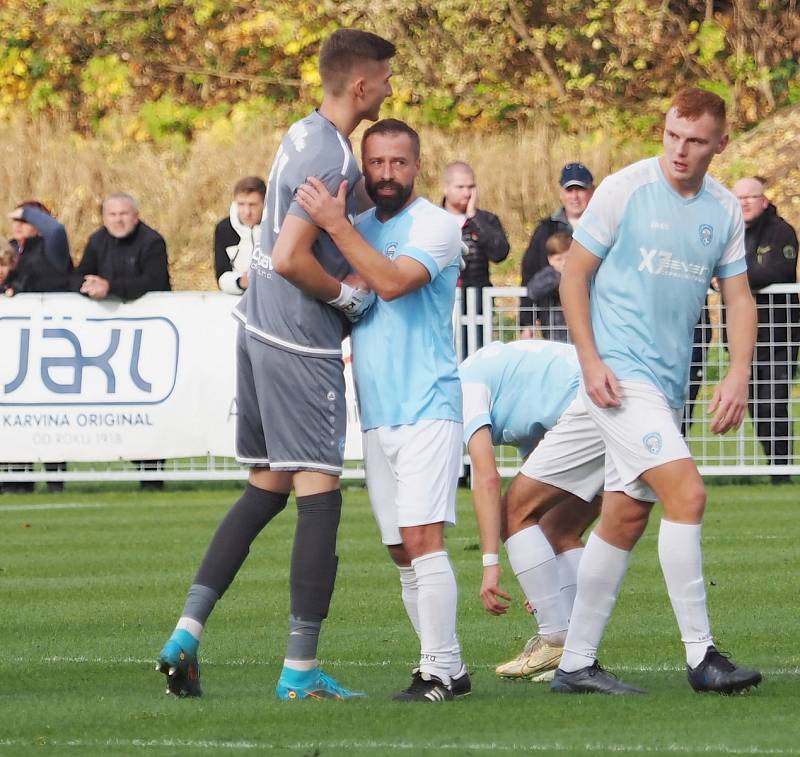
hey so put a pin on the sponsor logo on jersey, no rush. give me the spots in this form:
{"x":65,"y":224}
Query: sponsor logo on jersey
{"x":666,"y":263}
{"x":653,"y":442}
{"x":261,"y":262}
{"x":660,"y":225}
{"x":706,"y":234}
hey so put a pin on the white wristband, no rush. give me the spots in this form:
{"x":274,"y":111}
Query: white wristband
{"x":489,"y":560}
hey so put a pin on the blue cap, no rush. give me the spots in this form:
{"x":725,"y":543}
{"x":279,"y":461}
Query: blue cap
{"x":576,"y":175}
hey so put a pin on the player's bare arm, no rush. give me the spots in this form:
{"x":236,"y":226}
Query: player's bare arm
{"x":601,"y":384}
{"x":293,"y":258}
{"x":389,"y":279}
{"x":729,"y":403}
{"x":487,"y":493}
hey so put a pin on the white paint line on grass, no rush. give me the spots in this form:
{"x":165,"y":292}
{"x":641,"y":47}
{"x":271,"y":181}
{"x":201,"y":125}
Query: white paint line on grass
{"x":395,"y":746}
{"x":55,"y":506}
{"x":336,"y":663}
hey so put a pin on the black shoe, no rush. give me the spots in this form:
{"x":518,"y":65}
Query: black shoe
{"x":183,"y":675}
{"x":717,"y":673}
{"x":460,"y":684}
{"x":591,"y":680}
{"x":425,"y":689}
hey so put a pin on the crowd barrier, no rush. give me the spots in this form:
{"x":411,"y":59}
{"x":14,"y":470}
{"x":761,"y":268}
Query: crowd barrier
{"x":99,"y":384}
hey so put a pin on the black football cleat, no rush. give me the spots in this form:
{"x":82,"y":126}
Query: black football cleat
{"x":591,"y":680}
{"x":182,"y":672}
{"x":717,"y":673}
{"x":460,"y":684}
{"x":425,"y":688}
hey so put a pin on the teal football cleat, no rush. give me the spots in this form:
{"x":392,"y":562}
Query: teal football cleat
{"x":178,"y":662}
{"x":311,"y":684}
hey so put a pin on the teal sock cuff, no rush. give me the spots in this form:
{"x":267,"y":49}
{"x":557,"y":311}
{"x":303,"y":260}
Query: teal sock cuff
{"x":185,"y":640}
{"x":298,"y":678}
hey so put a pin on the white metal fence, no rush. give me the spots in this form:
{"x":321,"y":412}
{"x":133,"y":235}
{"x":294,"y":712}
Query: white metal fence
{"x":765,"y":444}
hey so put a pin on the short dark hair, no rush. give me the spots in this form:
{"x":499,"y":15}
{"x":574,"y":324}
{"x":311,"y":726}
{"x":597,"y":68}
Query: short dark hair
{"x":250,"y":184}
{"x":392,"y":126}
{"x":343,"y":50}
{"x":693,"y":102}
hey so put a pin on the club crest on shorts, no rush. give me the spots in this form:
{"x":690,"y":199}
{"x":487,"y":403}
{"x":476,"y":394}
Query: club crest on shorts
{"x":653,"y":442}
{"x":706,"y":234}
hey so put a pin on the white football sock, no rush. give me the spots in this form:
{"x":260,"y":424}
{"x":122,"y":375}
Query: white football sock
{"x":194,"y":627}
{"x":600,"y":574}
{"x":410,"y":594}
{"x":568,"y":577}
{"x":534,"y":564}
{"x":682,"y":565}
{"x":437,"y":601}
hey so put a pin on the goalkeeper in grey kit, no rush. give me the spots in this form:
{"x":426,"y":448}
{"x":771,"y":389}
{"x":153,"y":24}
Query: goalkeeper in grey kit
{"x":290,"y":381}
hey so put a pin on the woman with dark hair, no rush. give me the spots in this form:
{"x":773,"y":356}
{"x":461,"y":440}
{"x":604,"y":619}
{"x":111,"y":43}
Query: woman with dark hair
{"x":42,"y":264}
{"x":42,"y":247}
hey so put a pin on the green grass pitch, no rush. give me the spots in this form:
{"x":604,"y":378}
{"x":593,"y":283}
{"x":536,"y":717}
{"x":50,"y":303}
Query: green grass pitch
{"x":91,"y":582}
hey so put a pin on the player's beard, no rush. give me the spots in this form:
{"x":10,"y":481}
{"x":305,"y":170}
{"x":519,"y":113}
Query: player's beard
{"x":389,"y":203}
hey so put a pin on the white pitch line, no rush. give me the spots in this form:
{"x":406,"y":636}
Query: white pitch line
{"x":400,"y":746}
{"x":336,"y":663}
{"x":55,"y":506}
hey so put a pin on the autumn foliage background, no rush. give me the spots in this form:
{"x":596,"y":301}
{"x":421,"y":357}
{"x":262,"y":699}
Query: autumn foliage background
{"x":173,"y":101}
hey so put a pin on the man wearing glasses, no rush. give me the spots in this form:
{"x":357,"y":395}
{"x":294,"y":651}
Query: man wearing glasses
{"x":771,"y":252}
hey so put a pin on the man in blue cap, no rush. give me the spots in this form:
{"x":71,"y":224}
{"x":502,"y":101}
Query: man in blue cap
{"x":576,"y":188}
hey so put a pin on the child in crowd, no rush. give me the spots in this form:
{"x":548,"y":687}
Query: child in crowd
{"x":543,"y":288}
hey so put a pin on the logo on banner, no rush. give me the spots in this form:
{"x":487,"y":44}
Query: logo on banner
{"x":52,"y":360}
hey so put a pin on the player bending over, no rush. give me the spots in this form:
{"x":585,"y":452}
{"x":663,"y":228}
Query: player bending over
{"x":514,"y":393}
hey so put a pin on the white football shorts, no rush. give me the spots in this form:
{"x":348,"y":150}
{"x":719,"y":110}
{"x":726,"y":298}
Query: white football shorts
{"x":412,"y":474}
{"x":571,"y":455}
{"x":643,"y":433}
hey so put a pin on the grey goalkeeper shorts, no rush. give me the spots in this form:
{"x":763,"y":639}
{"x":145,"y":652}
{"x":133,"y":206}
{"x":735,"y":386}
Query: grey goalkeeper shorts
{"x":291,"y":412}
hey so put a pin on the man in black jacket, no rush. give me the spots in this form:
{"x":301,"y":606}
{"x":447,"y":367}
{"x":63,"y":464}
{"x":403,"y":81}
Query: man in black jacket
{"x":484,"y":239}
{"x":576,"y":186}
{"x":771,"y":250}
{"x":124,"y":258}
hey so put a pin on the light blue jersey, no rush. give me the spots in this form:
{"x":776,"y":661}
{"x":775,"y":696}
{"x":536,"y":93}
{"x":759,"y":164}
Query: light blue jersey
{"x":404,"y":362}
{"x":659,"y":251}
{"x":519,"y":390}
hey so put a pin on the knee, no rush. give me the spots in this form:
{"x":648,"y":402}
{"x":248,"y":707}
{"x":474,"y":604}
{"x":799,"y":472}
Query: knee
{"x":689,"y":507}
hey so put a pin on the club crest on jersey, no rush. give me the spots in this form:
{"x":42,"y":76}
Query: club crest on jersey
{"x":653,"y":442}
{"x":391,"y":250}
{"x":706,"y":234}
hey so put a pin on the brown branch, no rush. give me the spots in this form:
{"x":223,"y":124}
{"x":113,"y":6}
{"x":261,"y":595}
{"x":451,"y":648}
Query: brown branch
{"x":519,"y":26}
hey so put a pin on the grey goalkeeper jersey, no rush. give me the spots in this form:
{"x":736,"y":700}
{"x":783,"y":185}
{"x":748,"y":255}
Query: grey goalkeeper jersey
{"x":273,"y":309}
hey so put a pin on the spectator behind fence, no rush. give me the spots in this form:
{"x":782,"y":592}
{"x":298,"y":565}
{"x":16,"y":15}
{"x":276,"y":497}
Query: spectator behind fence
{"x":42,"y":248}
{"x":8,"y":264}
{"x":124,"y":258}
{"x":42,"y":264}
{"x":237,"y":236}
{"x":543,"y":288}
{"x":483,"y":237}
{"x":771,"y":246}
{"x":576,"y":185}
